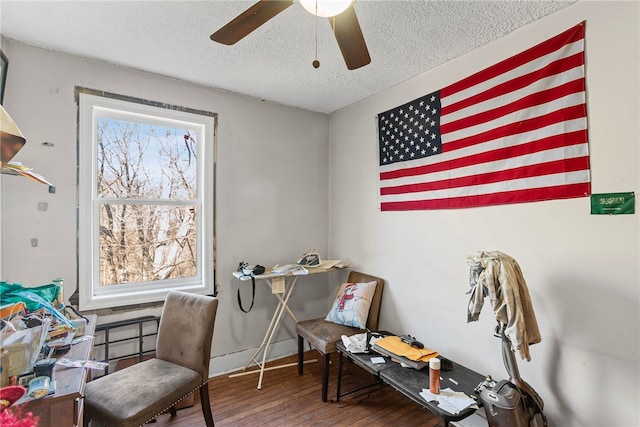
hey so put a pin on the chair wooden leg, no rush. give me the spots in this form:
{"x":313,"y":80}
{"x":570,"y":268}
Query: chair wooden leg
{"x":325,"y":375}
{"x":300,"y":355}
{"x":206,"y":405}
{"x":173,"y":411}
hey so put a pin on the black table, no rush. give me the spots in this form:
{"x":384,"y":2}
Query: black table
{"x":410,"y":382}
{"x":363,"y":360}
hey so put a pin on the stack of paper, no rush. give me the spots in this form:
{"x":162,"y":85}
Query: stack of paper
{"x":394,"y":347}
{"x":449,"y":400}
{"x":355,"y":343}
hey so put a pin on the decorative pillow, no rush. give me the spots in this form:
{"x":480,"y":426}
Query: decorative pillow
{"x":351,"y":306}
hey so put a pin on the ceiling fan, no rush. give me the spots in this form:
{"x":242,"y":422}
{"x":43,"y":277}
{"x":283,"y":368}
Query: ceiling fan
{"x":342,"y":18}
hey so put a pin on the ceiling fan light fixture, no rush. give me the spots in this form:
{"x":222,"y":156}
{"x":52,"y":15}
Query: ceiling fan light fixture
{"x":325,"y":8}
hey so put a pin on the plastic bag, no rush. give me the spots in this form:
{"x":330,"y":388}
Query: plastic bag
{"x":23,"y":346}
{"x":12,"y":293}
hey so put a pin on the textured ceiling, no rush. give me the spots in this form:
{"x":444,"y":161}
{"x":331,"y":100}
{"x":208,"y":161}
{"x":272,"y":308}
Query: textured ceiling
{"x":405,"y":38}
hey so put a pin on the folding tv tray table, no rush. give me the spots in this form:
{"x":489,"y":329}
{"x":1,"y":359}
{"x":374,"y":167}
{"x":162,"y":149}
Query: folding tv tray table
{"x":410,"y":382}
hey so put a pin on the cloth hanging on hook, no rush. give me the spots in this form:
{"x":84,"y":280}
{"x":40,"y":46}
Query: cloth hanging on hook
{"x":498,"y":276}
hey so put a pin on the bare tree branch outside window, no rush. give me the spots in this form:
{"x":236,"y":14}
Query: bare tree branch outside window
{"x":146,"y":186}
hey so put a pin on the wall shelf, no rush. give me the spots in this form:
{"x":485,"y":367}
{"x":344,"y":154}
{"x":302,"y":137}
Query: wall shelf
{"x":18,"y":169}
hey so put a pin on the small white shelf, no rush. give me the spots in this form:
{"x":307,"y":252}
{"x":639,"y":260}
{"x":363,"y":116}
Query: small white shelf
{"x":18,"y":169}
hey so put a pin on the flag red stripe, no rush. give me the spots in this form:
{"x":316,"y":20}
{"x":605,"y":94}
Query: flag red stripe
{"x":571,"y":35}
{"x":569,"y":113}
{"x":552,"y":69}
{"x":520,"y":196}
{"x":540,"y":169}
{"x":555,"y":141}
{"x":532,"y":100}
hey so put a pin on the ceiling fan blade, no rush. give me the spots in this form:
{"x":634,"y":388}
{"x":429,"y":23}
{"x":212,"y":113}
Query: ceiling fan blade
{"x":348,"y":33}
{"x":249,"y":20}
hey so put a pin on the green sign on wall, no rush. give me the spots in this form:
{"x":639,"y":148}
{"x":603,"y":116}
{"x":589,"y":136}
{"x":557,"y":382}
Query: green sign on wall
{"x":612,"y":203}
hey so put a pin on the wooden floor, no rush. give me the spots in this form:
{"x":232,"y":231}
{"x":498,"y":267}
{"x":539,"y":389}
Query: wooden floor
{"x":287,"y":399}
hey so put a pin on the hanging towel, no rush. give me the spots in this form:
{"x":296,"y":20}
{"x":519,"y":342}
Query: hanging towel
{"x":498,"y":276}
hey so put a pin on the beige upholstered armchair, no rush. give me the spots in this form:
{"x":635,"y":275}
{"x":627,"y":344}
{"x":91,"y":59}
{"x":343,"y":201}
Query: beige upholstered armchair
{"x":322,"y":334}
{"x":135,"y":395}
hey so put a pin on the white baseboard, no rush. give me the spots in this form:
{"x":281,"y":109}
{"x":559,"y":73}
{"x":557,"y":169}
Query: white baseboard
{"x":226,"y":363}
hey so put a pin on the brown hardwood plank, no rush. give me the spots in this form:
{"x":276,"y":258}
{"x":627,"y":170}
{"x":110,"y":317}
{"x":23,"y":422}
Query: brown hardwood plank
{"x":289,"y":399}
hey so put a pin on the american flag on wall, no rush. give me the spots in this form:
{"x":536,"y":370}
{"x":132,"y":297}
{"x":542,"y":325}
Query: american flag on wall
{"x":514,"y":132}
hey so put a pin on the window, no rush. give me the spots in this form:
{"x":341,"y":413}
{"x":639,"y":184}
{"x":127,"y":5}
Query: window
{"x":146,"y":200}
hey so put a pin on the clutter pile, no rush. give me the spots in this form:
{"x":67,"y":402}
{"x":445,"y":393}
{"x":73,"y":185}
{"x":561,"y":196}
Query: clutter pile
{"x":33,"y":326}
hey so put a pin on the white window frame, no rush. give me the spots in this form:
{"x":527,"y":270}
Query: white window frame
{"x":91,"y":104}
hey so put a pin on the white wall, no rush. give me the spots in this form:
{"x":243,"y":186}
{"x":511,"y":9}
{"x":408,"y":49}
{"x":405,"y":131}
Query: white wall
{"x":582,"y":270}
{"x":271,"y":185}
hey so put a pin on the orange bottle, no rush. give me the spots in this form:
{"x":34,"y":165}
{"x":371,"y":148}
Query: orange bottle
{"x":434,"y":375}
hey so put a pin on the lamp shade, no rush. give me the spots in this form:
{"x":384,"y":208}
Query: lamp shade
{"x":325,"y":8}
{"x":11,"y":139}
